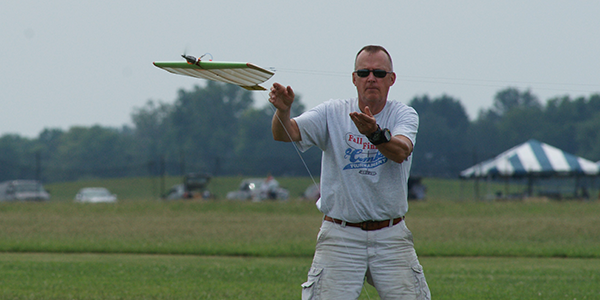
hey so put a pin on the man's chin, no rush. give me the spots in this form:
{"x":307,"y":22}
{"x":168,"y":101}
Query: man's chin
{"x":372,"y":97}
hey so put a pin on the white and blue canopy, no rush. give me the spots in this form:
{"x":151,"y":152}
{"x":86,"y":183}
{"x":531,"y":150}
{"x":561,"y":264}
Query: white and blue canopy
{"x":533,"y":158}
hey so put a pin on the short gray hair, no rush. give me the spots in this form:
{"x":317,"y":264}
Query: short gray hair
{"x":374,"y":49}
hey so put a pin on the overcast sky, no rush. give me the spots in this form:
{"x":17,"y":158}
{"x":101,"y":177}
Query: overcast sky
{"x":80,"y":63}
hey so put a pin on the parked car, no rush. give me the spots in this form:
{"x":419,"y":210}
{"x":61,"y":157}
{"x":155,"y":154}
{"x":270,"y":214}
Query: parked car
{"x":258,"y":189}
{"x":95,"y":195}
{"x":23,"y":190}
{"x":193,"y":187}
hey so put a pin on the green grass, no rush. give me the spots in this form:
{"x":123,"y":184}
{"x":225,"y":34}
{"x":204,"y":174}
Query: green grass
{"x":441,"y":228}
{"x":109,"y":276}
{"x":181,"y":227}
{"x":96,"y":276}
{"x":142,"y":248}
{"x":552,"y":229}
{"x":512,"y":278}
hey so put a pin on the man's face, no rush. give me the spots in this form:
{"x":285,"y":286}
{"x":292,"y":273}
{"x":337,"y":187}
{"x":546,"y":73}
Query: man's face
{"x":372,"y":89}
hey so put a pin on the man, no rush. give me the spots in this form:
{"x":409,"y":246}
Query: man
{"x":367,"y":144}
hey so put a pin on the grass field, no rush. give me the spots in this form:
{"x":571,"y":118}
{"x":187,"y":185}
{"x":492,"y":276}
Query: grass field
{"x":142,"y":248}
{"x":126,"y":276}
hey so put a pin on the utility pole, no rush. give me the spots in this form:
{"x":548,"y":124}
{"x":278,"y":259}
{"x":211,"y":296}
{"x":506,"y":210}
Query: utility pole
{"x":162,"y":176}
{"x":38,"y":165}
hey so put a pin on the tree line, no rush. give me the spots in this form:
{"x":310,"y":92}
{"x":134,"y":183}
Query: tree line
{"x":217,"y":129}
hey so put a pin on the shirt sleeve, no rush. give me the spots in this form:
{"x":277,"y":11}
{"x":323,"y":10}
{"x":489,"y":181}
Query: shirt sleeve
{"x":406,"y":124}
{"x":313,"y":128}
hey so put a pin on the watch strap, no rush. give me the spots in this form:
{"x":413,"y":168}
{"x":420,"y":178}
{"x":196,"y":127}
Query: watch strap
{"x":379,"y":136}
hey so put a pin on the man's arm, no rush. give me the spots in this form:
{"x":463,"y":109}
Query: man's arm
{"x":283,"y":127}
{"x":399,"y":147}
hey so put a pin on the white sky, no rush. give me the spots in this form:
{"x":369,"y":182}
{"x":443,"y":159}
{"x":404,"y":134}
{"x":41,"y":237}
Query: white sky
{"x":67,"y":63}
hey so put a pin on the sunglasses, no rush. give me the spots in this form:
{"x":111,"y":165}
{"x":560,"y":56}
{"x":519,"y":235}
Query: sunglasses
{"x":377,"y":73}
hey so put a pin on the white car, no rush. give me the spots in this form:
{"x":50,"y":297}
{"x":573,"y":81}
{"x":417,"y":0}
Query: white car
{"x":95,"y":195}
{"x":258,"y":189}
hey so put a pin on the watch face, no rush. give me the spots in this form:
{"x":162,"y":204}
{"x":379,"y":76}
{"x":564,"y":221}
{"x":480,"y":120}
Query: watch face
{"x":387,"y":134}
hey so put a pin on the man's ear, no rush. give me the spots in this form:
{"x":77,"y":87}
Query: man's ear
{"x":393,"y":78}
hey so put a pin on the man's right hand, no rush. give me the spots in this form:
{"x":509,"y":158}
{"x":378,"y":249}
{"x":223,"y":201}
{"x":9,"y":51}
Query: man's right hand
{"x":284,"y":128}
{"x":281,"y":97}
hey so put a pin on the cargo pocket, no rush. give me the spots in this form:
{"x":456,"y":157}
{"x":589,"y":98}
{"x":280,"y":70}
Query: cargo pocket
{"x":421,"y":284}
{"x":310,"y":289}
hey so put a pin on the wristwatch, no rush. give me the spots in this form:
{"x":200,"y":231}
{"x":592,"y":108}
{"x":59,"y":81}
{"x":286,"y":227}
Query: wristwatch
{"x":380,"y":136}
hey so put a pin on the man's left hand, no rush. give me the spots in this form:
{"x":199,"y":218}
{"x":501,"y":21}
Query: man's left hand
{"x":365,"y":122}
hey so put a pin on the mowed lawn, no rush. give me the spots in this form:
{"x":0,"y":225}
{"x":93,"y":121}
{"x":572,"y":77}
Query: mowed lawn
{"x":150,"y":249}
{"x":142,"y":276}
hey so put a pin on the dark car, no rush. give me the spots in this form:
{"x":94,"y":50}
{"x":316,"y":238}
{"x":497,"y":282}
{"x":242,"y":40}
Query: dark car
{"x":23,"y":190}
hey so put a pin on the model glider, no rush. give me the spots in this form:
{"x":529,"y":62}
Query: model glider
{"x":246,"y":75}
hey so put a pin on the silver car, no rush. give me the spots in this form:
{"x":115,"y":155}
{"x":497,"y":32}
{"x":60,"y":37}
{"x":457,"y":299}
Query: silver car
{"x":95,"y":195}
{"x":23,"y":190}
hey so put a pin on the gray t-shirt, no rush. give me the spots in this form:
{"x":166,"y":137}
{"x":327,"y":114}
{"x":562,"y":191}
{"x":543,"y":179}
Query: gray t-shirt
{"x":358,"y":183}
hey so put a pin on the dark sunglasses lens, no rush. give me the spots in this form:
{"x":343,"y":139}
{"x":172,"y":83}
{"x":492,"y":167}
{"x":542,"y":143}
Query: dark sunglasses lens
{"x":362,"y":73}
{"x":376,"y":73}
{"x":379,"y":73}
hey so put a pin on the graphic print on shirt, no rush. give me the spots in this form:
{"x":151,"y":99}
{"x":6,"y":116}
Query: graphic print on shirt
{"x":362,"y":155}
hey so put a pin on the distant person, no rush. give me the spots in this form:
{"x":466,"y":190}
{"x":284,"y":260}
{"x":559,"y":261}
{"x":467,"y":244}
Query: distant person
{"x":269,"y":188}
{"x":367,"y":144}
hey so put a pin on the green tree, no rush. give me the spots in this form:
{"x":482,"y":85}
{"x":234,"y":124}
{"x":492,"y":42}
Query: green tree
{"x":563,"y":122}
{"x":204,"y":123}
{"x":514,"y":118}
{"x":216,"y":129}
{"x":519,"y":125}
{"x":90,"y":152}
{"x":510,"y":98}
{"x":440,"y":149}
{"x":483,"y":136}
{"x":17,"y":158}
{"x":151,"y":129}
{"x":588,"y":138}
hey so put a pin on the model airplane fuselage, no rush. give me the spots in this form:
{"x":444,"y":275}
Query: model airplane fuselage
{"x":190,"y":59}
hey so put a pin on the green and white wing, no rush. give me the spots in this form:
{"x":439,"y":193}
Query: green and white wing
{"x":246,"y":75}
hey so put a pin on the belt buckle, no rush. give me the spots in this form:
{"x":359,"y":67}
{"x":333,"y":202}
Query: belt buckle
{"x":367,"y":225}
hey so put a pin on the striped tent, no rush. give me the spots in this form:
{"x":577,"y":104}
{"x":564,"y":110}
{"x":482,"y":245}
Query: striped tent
{"x":533,"y":158}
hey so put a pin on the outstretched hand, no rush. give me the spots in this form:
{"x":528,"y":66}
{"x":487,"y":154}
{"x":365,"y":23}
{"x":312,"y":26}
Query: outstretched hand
{"x":284,"y":129}
{"x":365,"y":122}
{"x":281,"y":97}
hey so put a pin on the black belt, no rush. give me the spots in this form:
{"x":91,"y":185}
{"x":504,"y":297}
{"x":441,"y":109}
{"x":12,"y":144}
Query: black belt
{"x":367,"y":225}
